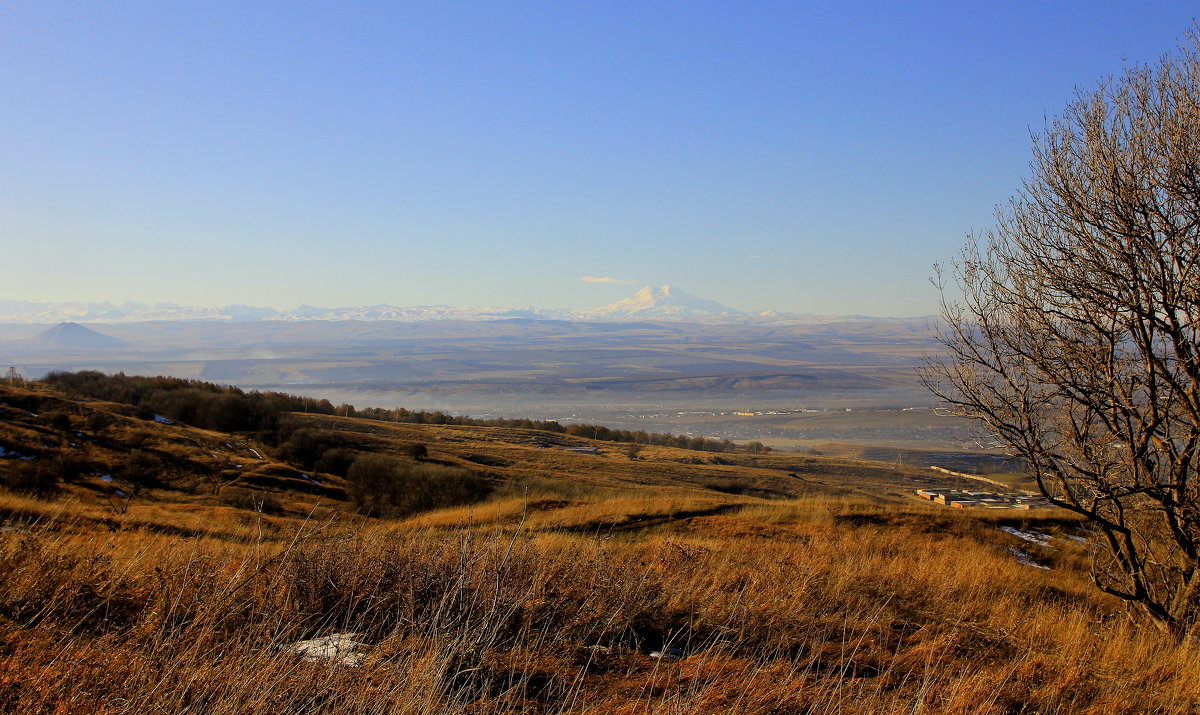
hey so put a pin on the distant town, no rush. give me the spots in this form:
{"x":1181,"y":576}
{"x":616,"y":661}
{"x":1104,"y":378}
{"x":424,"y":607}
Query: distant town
{"x":963,"y":499}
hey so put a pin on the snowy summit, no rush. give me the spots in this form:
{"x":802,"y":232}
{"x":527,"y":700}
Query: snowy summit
{"x":665,"y":302}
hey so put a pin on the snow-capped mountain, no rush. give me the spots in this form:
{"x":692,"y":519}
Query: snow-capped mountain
{"x":28,"y":312}
{"x":665,"y":302}
{"x":648,"y":304}
{"x":416,"y":313}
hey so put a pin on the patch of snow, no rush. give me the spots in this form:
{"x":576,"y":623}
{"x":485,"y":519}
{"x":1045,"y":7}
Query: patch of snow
{"x":163,"y":420}
{"x":341,"y":648}
{"x":1032,"y":537}
{"x":8,"y":453}
{"x":105,"y":478}
{"x":120,"y":493}
{"x":667,"y":654}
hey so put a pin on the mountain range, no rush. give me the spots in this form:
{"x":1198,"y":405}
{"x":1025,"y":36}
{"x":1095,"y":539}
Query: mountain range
{"x":661,"y":303}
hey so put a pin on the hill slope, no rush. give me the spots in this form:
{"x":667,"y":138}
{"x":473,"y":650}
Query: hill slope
{"x":591,"y":581}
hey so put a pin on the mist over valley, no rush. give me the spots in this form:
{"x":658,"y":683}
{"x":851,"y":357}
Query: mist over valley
{"x":793,"y":379}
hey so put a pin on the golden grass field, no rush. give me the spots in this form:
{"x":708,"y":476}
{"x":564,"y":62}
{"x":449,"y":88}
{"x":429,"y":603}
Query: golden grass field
{"x":779,"y":583}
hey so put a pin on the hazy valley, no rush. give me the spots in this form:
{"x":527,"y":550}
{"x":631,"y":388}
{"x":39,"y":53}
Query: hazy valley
{"x":786,"y":382}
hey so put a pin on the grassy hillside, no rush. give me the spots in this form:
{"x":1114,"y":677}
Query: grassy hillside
{"x":772,"y":583}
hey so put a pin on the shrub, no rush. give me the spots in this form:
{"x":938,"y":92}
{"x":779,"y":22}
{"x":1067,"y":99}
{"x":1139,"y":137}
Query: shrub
{"x":97,"y":421}
{"x":305,"y":447}
{"x":57,"y":420}
{"x":389,"y":487}
{"x":414,"y":450}
{"x":261,"y":502}
{"x":140,"y":438}
{"x":141,"y":469}
{"x":335,"y":461}
{"x":68,"y":467}
{"x":31,"y":478}
{"x":726,"y":485}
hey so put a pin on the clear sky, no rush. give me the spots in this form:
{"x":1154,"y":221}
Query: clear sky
{"x":800,"y":156}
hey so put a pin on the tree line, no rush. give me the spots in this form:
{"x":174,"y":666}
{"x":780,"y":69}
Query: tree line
{"x":225,"y":408}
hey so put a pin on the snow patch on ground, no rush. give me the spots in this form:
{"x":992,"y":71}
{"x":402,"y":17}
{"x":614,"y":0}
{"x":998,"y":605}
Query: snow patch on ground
{"x":1032,"y":537}
{"x":341,"y":648}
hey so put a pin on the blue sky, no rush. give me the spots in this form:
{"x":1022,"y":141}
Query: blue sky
{"x":807,"y":157}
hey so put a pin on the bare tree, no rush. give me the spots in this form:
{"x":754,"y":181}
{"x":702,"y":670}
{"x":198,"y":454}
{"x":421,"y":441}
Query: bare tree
{"x":1072,"y":332}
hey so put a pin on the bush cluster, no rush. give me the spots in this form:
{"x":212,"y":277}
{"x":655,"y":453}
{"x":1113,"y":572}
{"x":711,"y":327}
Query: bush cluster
{"x":390,"y":487}
{"x":201,"y":404}
{"x":315,"y":449}
{"x":31,"y":478}
{"x":40,"y":477}
{"x":682,"y":441}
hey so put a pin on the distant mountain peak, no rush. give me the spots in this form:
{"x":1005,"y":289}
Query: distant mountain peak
{"x":74,"y":335}
{"x":664,"y":302}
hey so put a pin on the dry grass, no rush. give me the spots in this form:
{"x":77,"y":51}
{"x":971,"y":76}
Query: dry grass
{"x":808,"y":606}
{"x":848,"y":597}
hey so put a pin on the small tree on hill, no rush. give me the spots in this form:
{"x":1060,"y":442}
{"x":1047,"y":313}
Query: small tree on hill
{"x":1075,"y":340}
